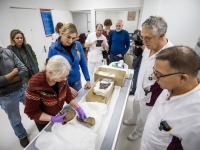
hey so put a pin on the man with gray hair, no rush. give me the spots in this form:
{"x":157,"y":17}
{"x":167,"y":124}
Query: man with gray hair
{"x":119,"y":42}
{"x":153,"y":33}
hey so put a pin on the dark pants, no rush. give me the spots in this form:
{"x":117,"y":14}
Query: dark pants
{"x":105,"y":56}
{"x":115,"y":58}
{"x":40,"y":126}
{"x":135,"y":76}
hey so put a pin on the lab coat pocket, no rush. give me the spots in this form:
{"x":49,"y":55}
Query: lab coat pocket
{"x":164,"y":136}
{"x":147,"y":98}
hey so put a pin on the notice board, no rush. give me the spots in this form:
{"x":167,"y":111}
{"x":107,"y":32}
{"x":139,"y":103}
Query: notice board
{"x":47,"y":21}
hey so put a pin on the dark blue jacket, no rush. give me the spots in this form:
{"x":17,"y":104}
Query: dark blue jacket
{"x":74,"y":74}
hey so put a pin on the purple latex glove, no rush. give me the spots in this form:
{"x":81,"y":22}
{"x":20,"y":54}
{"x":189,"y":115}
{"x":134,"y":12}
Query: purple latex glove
{"x":81,"y":113}
{"x":58,"y":118}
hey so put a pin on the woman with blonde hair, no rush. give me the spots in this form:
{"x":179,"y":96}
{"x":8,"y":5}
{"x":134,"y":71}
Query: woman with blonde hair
{"x":67,"y":46}
{"x":47,"y":91}
{"x":24,"y":52}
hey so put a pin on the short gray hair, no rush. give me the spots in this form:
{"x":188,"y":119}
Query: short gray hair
{"x":58,"y":65}
{"x":158,"y":24}
{"x":120,"y":21}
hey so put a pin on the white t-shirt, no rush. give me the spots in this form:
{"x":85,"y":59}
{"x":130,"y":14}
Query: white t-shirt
{"x":55,"y":37}
{"x":95,"y":53}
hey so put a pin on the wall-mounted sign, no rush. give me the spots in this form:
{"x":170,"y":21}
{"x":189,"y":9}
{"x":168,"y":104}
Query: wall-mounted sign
{"x":47,"y":21}
{"x":131,"y":15}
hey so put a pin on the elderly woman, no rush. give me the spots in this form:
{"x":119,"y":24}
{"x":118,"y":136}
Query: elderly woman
{"x":73,"y":52}
{"x":57,"y":33}
{"x":24,"y":52}
{"x":47,"y":91}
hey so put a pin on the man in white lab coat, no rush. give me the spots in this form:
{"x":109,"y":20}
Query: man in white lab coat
{"x":174,"y":122}
{"x":153,"y":32}
{"x":95,"y":56}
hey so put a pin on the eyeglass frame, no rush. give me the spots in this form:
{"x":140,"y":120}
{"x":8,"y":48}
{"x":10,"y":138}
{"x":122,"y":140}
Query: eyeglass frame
{"x":149,"y":39}
{"x":69,"y":37}
{"x":154,"y":73}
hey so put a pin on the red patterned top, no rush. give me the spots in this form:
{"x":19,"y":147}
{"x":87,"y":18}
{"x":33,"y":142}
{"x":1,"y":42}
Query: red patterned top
{"x":40,"y":97}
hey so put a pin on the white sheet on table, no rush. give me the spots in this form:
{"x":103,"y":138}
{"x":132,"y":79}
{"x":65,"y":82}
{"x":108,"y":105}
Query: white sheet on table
{"x":47,"y":140}
{"x":75,"y":135}
{"x":102,"y":92}
{"x":106,"y":118}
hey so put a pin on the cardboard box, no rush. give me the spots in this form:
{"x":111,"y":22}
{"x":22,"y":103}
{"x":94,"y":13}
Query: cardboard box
{"x":119,"y":75}
{"x":92,"y":97}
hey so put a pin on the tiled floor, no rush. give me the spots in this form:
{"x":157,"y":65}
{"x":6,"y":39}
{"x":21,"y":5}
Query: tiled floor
{"x":122,"y":142}
{"x":8,"y":140}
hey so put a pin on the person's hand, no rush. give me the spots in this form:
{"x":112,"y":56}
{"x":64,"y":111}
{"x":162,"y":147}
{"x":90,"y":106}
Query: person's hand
{"x":103,"y":43}
{"x":94,"y":42}
{"x":119,"y":55}
{"x":143,"y":47}
{"x":108,"y":56}
{"x":74,"y":92}
{"x":58,"y":118}
{"x":130,"y":52}
{"x":15,"y":71}
{"x":87,"y":85}
{"x":81,"y":113}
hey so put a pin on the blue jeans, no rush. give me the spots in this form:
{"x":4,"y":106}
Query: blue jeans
{"x":115,"y":58}
{"x":76,"y":85}
{"x":10,"y":104}
{"x":135,"y":76}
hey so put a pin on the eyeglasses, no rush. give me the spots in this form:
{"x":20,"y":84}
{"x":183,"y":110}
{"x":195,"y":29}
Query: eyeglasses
{"x":147,"y":39}
{"x":19,"y":38}
{"x":158,"y":77}
{"x":73,"y":38}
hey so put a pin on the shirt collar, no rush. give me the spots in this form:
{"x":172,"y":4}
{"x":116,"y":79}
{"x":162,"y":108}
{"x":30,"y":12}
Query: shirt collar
{"x":164,"y":47}
{"x":197,"y":88}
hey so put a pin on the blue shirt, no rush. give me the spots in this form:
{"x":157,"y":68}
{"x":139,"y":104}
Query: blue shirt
{"x":119,"y":42}
{"x":74,"y":74}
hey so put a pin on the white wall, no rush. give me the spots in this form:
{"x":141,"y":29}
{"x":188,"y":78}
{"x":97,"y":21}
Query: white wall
{"x":183,"y":20}
{"x":150,"y":8}
{"x":61,"y":16}
{"x":80,"y":20}
{"x":103,"y":4}
{"x":182,"y":17}
{"x":8,"y":23}
{"x":130,"y":26}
